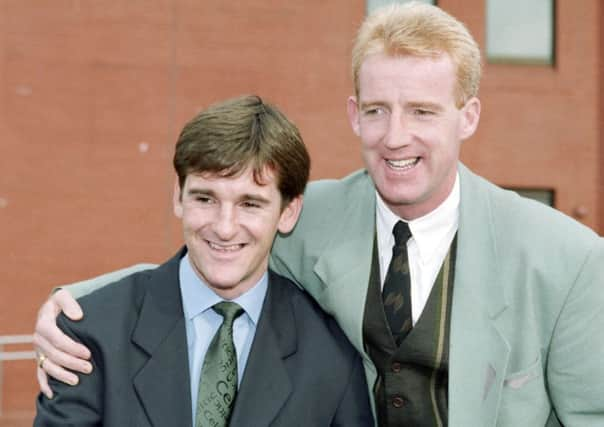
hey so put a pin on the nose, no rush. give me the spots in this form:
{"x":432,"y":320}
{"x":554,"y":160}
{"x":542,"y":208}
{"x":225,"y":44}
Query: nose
{"x":397,"y":133}
{"x":225,"y":222}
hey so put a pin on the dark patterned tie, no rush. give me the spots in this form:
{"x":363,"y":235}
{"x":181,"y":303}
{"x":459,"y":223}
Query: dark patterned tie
{"x":218,"y":384}
{"x":397,"y":286}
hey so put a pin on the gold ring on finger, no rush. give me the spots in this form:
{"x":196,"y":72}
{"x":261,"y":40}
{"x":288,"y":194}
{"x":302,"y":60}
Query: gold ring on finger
{"x":41,"y":359}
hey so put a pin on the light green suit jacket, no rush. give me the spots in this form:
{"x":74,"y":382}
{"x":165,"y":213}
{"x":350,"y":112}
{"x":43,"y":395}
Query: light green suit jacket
{"x":527,"y":325}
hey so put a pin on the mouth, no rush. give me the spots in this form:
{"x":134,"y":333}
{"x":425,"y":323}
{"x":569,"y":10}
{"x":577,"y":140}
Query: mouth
{"x":403,"y":164}
{"x":225,"y":248}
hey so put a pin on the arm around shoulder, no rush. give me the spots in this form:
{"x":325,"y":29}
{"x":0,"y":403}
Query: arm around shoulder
{"x":79,"y":405}
{"x":84,"y":287}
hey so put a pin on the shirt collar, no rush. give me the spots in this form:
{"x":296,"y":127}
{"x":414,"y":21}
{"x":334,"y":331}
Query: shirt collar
{"x":428,"y":230}
{"x":197,"y":297}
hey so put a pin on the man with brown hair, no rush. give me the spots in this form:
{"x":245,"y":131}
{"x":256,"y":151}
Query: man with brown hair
{"x":470,"y":305}
{"x":212,"y":337}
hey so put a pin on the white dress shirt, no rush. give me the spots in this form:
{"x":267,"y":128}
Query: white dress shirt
{"x":432,"y":235}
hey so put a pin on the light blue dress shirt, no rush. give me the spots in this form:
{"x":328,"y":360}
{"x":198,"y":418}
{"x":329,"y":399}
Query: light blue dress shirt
{"x":202,"y":322}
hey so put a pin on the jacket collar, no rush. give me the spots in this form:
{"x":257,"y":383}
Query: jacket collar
{"x":266,"y":385}
{"x":163,"y":384}
{"x":479,"y":351}
{"x":345,"y":278}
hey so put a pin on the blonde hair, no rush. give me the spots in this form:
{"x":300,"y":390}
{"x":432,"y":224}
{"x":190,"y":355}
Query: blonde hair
{"x":420,"y":29}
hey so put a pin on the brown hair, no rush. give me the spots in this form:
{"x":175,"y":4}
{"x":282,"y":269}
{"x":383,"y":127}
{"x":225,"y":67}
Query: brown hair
{"x":420,"y":29}
{"x":232,"y":135}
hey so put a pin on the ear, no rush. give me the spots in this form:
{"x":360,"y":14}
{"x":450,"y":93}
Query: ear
{"x":470,"y":118}
{"x":352,"y":107}
{"x":290,"y":215}
{"x":177,"y":199}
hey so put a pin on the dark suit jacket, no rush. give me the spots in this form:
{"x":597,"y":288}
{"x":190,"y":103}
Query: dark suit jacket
{"x":301,"y":370}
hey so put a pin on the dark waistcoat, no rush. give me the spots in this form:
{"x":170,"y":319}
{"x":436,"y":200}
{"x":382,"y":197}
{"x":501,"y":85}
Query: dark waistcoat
{"x":412,"y":385}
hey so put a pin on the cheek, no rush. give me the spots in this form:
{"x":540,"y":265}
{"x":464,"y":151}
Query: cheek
{"x":192,"y":222}
{"x":259,"y":225}
{"x":370,"y":142}
{"x":372,"y":132}
{"x":269,"y":230}
{"x":436,"y":138}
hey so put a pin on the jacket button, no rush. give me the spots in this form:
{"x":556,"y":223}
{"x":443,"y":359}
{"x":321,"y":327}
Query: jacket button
{"x":396,"y":367}
{"x":398,"y":402}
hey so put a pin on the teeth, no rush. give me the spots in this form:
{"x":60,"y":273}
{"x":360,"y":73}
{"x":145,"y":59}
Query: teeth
{"x":225,"y":248}
{"x":403,"y":164}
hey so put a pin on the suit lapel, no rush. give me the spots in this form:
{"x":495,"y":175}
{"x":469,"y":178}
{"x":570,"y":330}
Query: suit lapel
{"x":163,"y":384}
{"x":479,"y":352}
{"x":345,"y":264}
{"x":266,"y":385}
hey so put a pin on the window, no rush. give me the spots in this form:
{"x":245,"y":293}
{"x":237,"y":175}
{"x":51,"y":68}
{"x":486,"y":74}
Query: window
{"x":520,"y":31}
{"x":541,"y":195}
{"x":374,"y":4}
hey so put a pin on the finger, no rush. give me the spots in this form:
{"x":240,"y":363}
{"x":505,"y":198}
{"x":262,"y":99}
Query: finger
{"x":54,"y":343}
{"x":68,"y":304}
{"x":49,"y":338}
{"x":43,"y":382}
{"x":59,"y":373}
{"x":61,"y":358}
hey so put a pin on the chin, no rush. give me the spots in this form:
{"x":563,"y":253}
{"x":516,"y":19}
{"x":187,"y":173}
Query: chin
{"x":224,"y":285}
{"x":399,"y":198}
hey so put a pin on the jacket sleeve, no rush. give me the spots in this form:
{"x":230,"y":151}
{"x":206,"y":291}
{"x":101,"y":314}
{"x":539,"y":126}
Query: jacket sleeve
{"x":79,"y":289}
{"x":354,"y":409}
{"x":575,"y":368}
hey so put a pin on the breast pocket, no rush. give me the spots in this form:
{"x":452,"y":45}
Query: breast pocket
{"x":524,"y":399}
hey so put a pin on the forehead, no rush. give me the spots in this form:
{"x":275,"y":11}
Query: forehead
{"x":243,"y":182}
{"x":383,"y":75}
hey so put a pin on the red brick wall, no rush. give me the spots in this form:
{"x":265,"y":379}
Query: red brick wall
{"x":540,"y":126}
{"x":93,"y":94}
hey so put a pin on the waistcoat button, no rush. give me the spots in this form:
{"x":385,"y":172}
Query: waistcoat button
{"x":398,"y":402}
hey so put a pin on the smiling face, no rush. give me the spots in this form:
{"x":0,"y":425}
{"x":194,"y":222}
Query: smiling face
{"x":229,"y":224}
{"x":411,"y":129}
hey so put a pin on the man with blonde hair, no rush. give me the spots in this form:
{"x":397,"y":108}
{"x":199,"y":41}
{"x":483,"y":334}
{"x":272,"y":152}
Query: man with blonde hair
{"x":470,"y":305}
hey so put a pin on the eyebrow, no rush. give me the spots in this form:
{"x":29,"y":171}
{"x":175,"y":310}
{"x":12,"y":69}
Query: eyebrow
{"x":425,"y":105}
{"x":365,"y":105}
{"x":412,"y":104}
{"x":244,"y":197}
{"x":200,"y":191}
{"x":255,"y":198}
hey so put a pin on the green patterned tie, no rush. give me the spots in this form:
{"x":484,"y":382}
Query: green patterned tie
{"x":397,"y":286}
{"x":218,"y":384}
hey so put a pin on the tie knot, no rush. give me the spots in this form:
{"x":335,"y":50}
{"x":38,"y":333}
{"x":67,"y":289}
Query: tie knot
{"x":229,"y":310}
{"x":401,"y":233}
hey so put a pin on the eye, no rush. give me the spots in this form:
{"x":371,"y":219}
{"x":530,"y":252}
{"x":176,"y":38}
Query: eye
{"x":422,"y":112}
{"x":203,"y":199}
{"x":251,"y":204}
{"x":373,"y":111}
